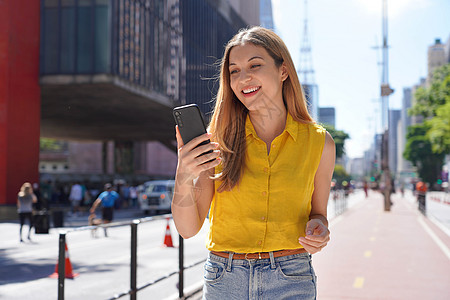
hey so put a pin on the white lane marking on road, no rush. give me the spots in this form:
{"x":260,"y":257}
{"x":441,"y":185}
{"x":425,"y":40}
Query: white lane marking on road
{"x":439,"y":224}
{"x":435,"y":238}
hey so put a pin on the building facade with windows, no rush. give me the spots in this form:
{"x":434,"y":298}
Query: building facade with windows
{"x":166,"y":50}
{"x":394,"y":119}
{"x":327,"y":115}
{"x":106,"y":75}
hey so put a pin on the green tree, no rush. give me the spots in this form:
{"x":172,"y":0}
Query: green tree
{"x":428,"y":143}
{"x":340,"y":175}
{"x":439,"y":132}
{"x":419,"y":151}
{"x":433,"y":103}
{"x":428,"y":100}
{"x":339,"y":138}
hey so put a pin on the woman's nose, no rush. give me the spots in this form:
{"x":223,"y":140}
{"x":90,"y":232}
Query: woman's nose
{"x":245,"y":76}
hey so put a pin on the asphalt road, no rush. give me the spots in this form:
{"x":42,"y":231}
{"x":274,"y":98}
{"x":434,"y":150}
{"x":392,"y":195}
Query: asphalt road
{"x":103,"y":263}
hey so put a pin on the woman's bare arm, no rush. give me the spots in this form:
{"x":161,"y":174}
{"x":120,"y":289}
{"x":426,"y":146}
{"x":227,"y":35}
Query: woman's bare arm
{"x":194,"y":189}
{"x":317,"y":233}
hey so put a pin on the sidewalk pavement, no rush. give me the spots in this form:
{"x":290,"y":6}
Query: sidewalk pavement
{"x":373,"y":254}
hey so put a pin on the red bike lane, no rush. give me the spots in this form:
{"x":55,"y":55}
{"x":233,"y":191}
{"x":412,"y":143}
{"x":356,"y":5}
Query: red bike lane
{"x":375,"y":254}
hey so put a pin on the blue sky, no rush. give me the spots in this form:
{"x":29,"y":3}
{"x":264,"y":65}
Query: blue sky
{"x":343,"y":34}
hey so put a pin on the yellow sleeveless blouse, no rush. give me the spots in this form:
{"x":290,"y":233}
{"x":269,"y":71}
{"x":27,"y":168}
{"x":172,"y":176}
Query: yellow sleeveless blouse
{"x":270,"y":206}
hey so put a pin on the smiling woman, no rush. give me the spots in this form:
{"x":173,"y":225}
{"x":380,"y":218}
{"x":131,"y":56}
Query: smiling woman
{"x":255,"y":75}
{"x":267,"y":181}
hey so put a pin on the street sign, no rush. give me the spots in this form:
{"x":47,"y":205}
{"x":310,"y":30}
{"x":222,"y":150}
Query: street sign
{"x":386,"y":90}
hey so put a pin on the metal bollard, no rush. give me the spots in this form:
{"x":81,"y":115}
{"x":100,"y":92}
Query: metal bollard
{"x":181,"y":267}
{"x":422,"y":202}
{"x":61,"y":265}
{"x":133,"y":262}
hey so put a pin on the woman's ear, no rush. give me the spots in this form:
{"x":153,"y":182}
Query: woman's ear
{"x":284,"y":72}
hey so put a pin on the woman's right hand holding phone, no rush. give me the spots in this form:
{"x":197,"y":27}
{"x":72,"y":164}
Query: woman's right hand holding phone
{"x":191,"y":162}
{"x":194,"y":189}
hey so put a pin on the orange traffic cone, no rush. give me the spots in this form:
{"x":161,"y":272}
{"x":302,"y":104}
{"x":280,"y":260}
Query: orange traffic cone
{"x":168,"y":236}
{"x":68,"y":267}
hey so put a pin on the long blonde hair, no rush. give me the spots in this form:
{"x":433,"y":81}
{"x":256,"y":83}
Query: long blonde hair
{"x":26,"y":189}
{"x":228,"y":120}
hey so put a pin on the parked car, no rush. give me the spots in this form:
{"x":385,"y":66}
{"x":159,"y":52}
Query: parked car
{"x":156,"y":196}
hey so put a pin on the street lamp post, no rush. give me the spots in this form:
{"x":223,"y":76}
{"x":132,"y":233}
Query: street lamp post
{"x":386,"y":90}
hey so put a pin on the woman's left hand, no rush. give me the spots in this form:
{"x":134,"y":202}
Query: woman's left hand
{"x":317,"y":236}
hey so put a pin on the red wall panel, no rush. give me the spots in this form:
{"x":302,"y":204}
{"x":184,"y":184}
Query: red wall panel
{"x":19,"y":96}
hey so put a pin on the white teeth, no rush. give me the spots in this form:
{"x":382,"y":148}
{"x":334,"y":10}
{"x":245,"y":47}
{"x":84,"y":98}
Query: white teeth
{"x":250,"y":90}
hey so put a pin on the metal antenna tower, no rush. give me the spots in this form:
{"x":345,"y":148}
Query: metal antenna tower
{"x":306,"y":70}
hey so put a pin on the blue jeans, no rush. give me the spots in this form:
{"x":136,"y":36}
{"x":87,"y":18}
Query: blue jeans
{"x":287,"y":277}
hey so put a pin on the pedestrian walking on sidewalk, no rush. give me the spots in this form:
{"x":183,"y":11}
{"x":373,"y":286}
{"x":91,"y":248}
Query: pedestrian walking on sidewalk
{"x":366,"y":188}
{"x":75,"y":197}
{"x":25,"y":200}
{"x":267,"y":181}
{"x":107,"y":200}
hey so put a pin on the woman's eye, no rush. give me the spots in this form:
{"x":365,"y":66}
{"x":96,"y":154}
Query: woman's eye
{"x":255,"y":66}
{"x":233,"y":71}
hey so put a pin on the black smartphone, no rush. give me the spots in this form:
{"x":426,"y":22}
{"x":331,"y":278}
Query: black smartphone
{"x":190,"y":123}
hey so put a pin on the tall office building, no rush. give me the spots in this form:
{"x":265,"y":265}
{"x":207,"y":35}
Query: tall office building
{"x":247,"y":10}
{"x":152,"y":55}
{"x":394,"y":118}
{"x":437,"y":57}
{"x":327,"y":115}
{"x":372,"y":156}
{"x":404,"y":166}
{"x":311,"y":91}
{"x":421,"y":84}
{"x":265,"y":14}
{"x":355,"y":167}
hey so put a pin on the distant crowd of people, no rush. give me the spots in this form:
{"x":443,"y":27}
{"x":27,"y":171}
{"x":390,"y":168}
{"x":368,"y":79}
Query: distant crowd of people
{"x":78,"y":195}
{"x":32,"y":197}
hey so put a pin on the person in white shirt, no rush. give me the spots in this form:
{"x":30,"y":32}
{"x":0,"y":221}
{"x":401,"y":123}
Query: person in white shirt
{"x":75,"y":197}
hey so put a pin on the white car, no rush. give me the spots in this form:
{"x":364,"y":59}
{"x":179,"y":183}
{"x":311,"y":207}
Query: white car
{"x":156,"y":196}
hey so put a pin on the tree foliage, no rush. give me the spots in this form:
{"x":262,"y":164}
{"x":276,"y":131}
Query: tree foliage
{"x":433,"y":103}
{"x":340,"y":175}
{"x":339,"y":138}
{"x":439,"y":132}
{"x":419,"y":151}
{"x":428,"y":143}
{"x":428,"y":100}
